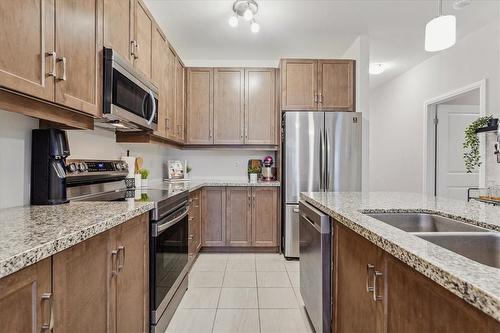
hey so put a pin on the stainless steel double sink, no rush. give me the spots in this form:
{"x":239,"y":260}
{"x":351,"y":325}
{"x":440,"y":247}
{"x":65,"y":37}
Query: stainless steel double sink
{"x":476,"y":243}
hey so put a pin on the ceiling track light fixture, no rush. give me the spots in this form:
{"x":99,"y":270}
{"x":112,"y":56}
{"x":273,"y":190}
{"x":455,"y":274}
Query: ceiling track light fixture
{"x":246,"y":9}
{"x":441,"y":31}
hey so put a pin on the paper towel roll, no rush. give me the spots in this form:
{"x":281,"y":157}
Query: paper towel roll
{"x":130,"y":160}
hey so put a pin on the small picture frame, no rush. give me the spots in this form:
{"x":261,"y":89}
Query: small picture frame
{"x":175,"y":169}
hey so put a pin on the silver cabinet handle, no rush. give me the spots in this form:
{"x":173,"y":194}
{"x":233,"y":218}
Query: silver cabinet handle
{"x":296,"y":210}
{"x":191,"y":236}
{"x":48,"y":323}
{"x":369,"y":268}
{"x":63,"y":60}
{"x":132,"y":48}
{"x":320,"y":97}
{"x":114,"y":255}
{"x":376,"y":297}
{"x":121,"y":258}
{"x":315,"y":98}
{"x":136,"y":51}
{"x":53,"y":56}
{"x":167,"y":123}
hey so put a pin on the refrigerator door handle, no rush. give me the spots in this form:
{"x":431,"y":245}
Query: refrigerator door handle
{"x":321,"y":162}
{"x":327,"y":170}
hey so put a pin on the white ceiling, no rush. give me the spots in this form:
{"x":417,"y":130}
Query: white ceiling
{"x":199,"y":31}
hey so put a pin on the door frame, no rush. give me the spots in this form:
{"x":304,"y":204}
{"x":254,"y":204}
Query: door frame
{"x":429,"y":172}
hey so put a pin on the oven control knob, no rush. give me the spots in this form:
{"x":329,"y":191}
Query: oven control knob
{"x":82,"y":167}
{"x":119,"y":166}
{"x":72,"y":167}
{"x":124,"y":166}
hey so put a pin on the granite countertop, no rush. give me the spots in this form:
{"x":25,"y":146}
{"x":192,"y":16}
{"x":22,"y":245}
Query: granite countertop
{"x":477,"y":284}
{"x":29,"y":234}
{"x":195,"y":184}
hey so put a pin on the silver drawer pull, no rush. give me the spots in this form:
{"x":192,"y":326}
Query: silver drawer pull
{"x":375,"y":296}
{"x":53,"y":56}
{"x":48,"y":323}
{"x":369,"y":268}
{"x":121,"y":258}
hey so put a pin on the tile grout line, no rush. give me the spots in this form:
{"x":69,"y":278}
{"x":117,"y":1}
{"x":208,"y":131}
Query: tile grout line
{"x":218,"y":299}
{"x":258,"y":300}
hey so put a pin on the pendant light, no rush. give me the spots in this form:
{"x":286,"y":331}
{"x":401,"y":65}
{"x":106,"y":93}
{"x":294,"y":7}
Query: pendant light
{"x":247,"y":9}
{"x":441,"y":31}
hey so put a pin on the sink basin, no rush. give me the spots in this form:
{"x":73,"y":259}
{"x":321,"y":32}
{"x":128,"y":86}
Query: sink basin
{"x":422,"y":222}
{"x":481,"y":247}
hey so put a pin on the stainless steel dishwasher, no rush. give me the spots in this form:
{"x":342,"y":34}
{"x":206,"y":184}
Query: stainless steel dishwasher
{"x":316,"y":266}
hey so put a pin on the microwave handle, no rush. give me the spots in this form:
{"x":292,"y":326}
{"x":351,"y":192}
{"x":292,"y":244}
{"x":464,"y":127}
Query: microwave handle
{"x":153,"y":102}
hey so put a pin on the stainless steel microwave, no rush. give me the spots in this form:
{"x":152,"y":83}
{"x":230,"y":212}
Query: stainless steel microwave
{"x":130,"y":101}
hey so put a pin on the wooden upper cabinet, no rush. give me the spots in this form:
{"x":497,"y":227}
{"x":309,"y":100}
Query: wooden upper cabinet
{"x":356,"y":309}
{"x":199,"y":111}
{"x":27,"y":58}
{"x":213,"y":205}
{"x":299,"y":84}
{"x":118,"y":26}
{"x":81,"y":286}
{"x":260,"y":106}
{"x":179,"y":100}
{"x":131,"y":240}
{"x":25,"y":299}
{"x":336,"y":85}
{"x":157,"y":48}
{"x":143,"y":37}
{"x":264,"y":216}
{"x":79,"y":53}
{"x":159,"y":77}
{"x":229,"y":105}
{"x":417,"y":304}
{"x":238,"y":216}
{"x":170,"y":124}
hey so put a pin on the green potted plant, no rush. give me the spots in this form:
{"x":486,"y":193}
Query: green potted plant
{"x":188,"y":170}
{"x":253,"y":173}
{"x":472,"y":155}
{"x":144,"y":177}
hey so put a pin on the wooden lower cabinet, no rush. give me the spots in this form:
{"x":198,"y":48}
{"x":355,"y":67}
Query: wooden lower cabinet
{"x":407,"y":300}
{"x":25,"y":299}
{"x":240,"y":216}
{"x":98,"y":285}
{"x":356,"y":309}
{"x":213,"y":207}
{"x":194,"y":223}
{"x":81,"y":286}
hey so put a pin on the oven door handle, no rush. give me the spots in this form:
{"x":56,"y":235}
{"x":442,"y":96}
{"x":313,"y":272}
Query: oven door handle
{"x":157,"y":229}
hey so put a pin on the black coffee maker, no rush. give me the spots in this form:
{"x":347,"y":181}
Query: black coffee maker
{"x":49,"y":150}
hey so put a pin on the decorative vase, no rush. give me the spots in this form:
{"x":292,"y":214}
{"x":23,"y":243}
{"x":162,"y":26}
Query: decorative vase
{"x":137,"y":180}
{"x":253,"y":178}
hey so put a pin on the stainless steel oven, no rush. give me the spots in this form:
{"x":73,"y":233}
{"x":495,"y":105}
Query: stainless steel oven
{"x":168,"y":260}
{"x":130,"y":101}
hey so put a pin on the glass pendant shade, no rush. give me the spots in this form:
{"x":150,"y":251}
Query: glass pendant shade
{"x":440,"y":33}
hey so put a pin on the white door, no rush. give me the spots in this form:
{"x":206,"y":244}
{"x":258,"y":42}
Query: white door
{"x":452,"y":180}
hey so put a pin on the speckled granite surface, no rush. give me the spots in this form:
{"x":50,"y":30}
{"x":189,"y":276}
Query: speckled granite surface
{"x":476,"y":283}
{"x":31,"y":233}
{"x":196,"y":184}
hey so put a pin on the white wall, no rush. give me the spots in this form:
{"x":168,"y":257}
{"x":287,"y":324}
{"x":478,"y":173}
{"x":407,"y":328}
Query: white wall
{"x":396,"y":108}
{"x":15,"y":145}
{"x":360,"y":51}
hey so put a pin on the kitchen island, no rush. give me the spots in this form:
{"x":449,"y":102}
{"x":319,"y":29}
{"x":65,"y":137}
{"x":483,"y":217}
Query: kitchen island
{"x":475,"y":283}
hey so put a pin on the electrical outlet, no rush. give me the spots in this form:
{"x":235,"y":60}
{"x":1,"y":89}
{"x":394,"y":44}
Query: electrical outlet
{"x":237,"y":164}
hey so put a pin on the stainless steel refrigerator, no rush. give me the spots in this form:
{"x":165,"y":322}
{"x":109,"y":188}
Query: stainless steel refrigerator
{"x":321,"y":152}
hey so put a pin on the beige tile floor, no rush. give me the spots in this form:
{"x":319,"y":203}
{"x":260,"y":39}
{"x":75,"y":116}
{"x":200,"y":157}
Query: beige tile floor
{"x":243,"y":293}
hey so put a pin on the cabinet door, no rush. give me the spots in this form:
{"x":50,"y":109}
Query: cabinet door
{"x":179,"y":99}
{"x":118,"y":26}
{"x":143,"y":37}
{"x":24,"y":306}
{"x":264,"y":216}
{"x":27,"y":57}
{"x":79,"y":53}
{"x":195,"y":223}
{"x":228,"y":105}
{"x":299,"y":84}
{"x":336,"y":85}
{"x":159,"y":77}
{"x":356,"y":309}
{"x":170,"y":123}
{"x":238,"y":216}
{"x":199,"y":105}
{"x":213,"y":205}
{"x":132,"y":279}
{"x":80,"y":284}
{"x":417,"y":304}
{"x":260,"y":106}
